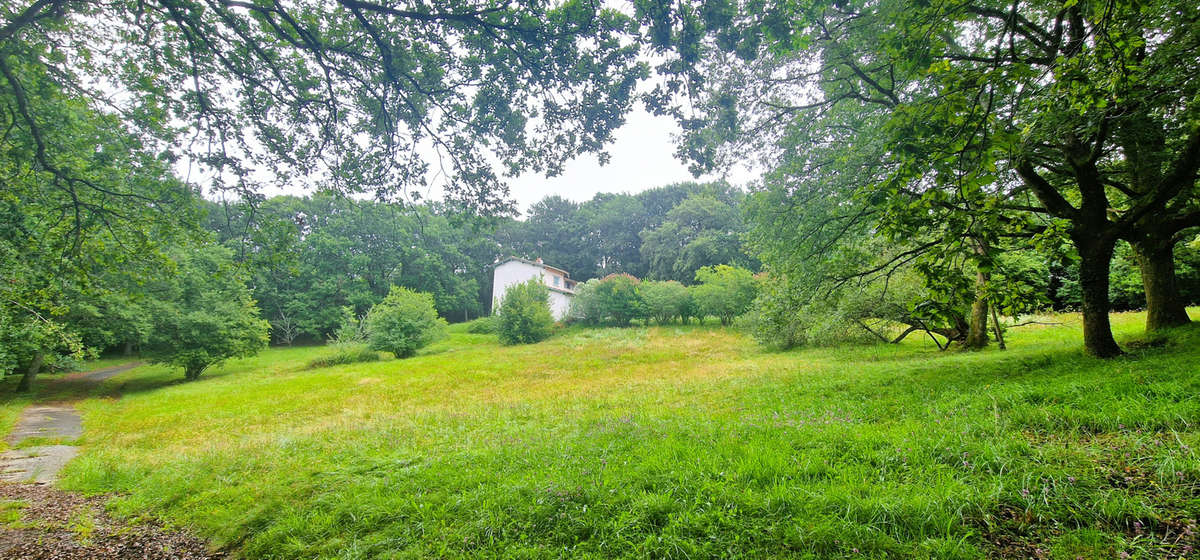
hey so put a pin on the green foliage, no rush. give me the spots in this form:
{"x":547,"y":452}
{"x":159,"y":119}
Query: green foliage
{"x":724,"y":291}
{"x":1126,"y":290}
{"x":483,"y":325}
{"x":313,"y":256}
{"x":701,"y":231}
{"x":86,"y":211}
{"x":470,"y":80}
{"x":524,"y":316}
{"x":345,"y":354}
{"x":204,"y":314}
{"x":614,"y":232}
{"x":353,"y":329}
{"x":612,"y":300}
{"x":780,"y":317}
{"x":665,"y":301}
{"x":404,"y":322}
{"x":897,"y":133}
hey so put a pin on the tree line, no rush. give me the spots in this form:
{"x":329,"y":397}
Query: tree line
{"x":311,"y":259}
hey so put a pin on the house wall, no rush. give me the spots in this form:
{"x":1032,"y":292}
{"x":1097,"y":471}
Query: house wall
{"x":516,"y":272}
{"x":560,"y":304}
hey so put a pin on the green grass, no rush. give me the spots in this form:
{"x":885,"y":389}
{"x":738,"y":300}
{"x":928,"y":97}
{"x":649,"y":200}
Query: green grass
{"x":45,"y":390}
{"x":673,"y":442}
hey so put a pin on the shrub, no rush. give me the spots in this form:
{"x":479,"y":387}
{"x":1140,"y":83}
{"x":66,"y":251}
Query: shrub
{"x":585,"y":306}
{"x":524,"y":316}
{"x":483,"y":325}
{"x":352,"y":328}
{"x":613,"y":299}
{"x":345,"y":354}
{"x":725,"y":291}
{"x":664,"y":301}
{"x":404,"y":322}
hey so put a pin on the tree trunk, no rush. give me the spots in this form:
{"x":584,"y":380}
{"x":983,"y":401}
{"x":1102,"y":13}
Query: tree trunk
{"x":128,"y":348}
{"x":1164,"y":306}
{"x":26,"y":384}
{"x":192,"y":373}
{"x":999,"y":331}
{"x":977,"y":336}
{"x":1094,"y":260}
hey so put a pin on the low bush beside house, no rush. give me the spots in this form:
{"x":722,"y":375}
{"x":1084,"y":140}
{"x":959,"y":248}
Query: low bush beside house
{"x":524,"y":316}
{"x":404,"y":322}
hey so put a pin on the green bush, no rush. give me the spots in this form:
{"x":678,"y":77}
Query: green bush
{"x":404,"y":322}
{"x":345,"y":354}
{"x":483,"y":325}
{"x":524,"y":316}
{"x":612,"y":300}
{"x":352,"y":329}
{"x":665,"y":301}
{"x":724,"y":291}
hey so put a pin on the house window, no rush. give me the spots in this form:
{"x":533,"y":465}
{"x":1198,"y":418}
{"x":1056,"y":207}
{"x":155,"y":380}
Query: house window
{"x":556,"y":281}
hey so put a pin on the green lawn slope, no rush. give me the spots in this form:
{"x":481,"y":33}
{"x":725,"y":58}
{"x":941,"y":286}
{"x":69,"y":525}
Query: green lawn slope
{"x":670,"y":442}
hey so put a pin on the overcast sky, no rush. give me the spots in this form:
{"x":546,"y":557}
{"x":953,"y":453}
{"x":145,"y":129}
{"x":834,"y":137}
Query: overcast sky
{"x":642,"y":158}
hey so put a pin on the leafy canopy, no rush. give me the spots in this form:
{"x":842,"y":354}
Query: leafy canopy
{"x":204,"y":314}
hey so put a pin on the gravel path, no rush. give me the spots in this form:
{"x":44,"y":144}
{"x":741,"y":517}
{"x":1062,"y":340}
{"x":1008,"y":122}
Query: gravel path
{"x":38,"y":522}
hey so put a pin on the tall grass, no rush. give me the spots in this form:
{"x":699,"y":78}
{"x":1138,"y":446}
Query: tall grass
{"x":673,"y":442}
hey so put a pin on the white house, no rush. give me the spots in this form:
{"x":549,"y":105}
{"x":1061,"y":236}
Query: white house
{"x":514,"y":270}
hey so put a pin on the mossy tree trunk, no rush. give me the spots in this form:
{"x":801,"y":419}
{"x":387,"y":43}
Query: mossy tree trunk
{"x":1164,"y":306}
{"x":1095,"y":257}
{"x":977,"y":336}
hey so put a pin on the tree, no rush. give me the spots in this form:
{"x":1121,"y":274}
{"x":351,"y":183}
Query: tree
{"x":524,"y":316}
{"x":555,"y":232}
{"x":724,"y":291}
{"x":204,"y":314}
{"x":311,"y":256}
{"x":1047,"y":119}
{"x":613,"y":224}
{"x":665,"y":301}
{"x":343,"y":91}
{"x":85,"y":208}
{"x":404,"y":322}
{"x":700,"y":231}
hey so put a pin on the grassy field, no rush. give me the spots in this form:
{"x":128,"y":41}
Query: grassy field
{"x":682,"y":442}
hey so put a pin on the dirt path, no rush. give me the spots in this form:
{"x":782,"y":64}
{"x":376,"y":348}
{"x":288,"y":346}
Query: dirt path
{"x":39,"y":522}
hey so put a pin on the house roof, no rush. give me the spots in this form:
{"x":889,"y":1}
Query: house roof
{"x":531,"y":263}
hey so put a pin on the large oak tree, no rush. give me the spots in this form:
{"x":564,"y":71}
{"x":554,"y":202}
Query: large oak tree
{"x":1039,"y":117}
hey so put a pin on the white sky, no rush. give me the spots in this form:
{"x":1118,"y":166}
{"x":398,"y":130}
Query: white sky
{"x":643,"y":157}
